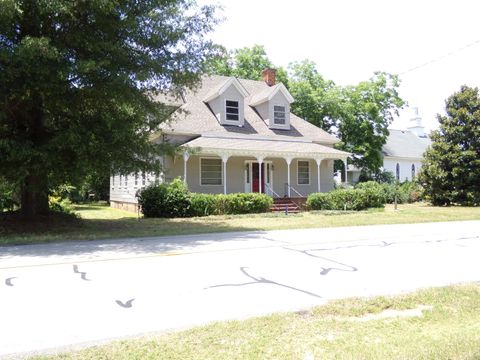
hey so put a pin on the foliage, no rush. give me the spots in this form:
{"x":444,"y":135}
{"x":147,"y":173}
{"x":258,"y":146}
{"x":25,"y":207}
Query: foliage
{"x":174,"y":200}
{"x":346,"y":199}
{"x":60,"y":205}
{"x":316,"y":99}
{"x":366,"y":111}
{"x":203,"y":204}
{"x":240,"y":203}
{"x":385,"y":176}
{"x":451,"y":171}
{"x":165,"y":200}
{"x":374,"y":193}
{"x":246,"y":63}
{"x":8,"y":198}
{"x":77,"y":82}
{"x":406,"y":192}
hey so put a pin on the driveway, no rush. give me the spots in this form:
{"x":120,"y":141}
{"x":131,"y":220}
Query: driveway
{"x":78,"y":293}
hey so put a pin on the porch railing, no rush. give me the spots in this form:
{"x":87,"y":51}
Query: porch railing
{"x":288,"y":186}
{"x":272,"y":192}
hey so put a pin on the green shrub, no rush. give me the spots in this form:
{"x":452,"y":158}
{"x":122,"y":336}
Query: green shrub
{"x":347,"y":199}
{"x":203,"y":204}
{"x":174,"y":200}
{"x":8,"y":198}
{"x":374,"y":192}
{"x":244,"y":203}
{"x":166,"y":200}
{"x":407,"y":192}
{"x":57,"y":204}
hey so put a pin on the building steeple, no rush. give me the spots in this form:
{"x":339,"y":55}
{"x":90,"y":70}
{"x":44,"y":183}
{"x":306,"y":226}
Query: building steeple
{"x":416,"y":125}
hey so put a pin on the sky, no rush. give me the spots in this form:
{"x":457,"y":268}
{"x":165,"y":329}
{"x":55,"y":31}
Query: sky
{"x":433,"y":45}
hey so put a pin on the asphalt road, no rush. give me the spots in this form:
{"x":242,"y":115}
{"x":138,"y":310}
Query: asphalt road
{"x":76,"y":293}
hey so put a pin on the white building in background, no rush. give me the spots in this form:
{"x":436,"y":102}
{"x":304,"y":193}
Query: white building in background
{"x":403,"y":151}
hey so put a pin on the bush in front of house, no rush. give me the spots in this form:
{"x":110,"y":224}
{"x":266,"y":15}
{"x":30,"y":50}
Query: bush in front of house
{"x":347,"y":199}
{"x":406,"y":192}
{"x":203,"y":204}
{"x":375,"y":193}
{"x":241,"y":203}
{"x":174,"y":200}
{"x":165,"y":200}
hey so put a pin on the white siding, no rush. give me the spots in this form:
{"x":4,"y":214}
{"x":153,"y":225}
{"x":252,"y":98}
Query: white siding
{"x":390,"y":164}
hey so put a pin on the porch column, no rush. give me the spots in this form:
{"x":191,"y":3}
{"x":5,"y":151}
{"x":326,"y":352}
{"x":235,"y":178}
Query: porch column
{"x":224,"y":161}
{"x":346,"y":169}
{"x":289,"y":161}
{"x":260,"y":161}
{"x":319,"y":161}
{"x":186,"y":155}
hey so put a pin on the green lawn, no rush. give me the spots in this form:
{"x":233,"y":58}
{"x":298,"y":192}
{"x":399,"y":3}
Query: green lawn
{"x":100,"y":221}
{"x":448,"y":327}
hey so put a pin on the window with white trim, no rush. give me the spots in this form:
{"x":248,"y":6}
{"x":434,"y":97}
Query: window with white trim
{"x":303,"y":172}
{"x":279,"y":115}
{"x":413,"y":172}
{"x":397,"y":171}
{"x":231,"y":110}
{"x":210,"y":171}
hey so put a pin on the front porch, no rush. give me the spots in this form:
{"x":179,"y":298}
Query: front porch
{"x":277,"y":168}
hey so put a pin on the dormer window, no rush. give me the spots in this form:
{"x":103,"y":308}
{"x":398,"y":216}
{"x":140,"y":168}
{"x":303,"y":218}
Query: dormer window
{"x":227,"y":102}
{"x":232,"y":110}
{"x":279,"y":115}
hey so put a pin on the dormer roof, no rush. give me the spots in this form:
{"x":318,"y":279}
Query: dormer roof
{"x":268,"y":94}
{"x":194,"y":117}
{"x":219,"y":90}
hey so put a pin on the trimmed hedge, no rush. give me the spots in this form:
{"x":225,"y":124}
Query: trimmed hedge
{"x":344,"y":199}
{"x":174,"y":200}
{"x":365,"y":195}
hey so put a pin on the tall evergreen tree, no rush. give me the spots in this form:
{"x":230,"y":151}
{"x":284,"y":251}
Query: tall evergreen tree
{"x":77,"y":85}
{"x":451,"y":171}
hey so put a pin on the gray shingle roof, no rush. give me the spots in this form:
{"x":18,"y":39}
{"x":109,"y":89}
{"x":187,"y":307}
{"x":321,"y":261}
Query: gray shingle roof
{"x":260,"y":146}
{"x":405,"y":144}
{"x":195,"y":117}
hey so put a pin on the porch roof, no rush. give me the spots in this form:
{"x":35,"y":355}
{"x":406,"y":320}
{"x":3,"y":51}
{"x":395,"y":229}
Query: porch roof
{"x":264,"y":147}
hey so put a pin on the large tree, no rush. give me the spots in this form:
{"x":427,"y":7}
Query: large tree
{"x":451,"y":171}
{"x":316,"y":99}
{"x":365,"y":112}
{"x":77,"y":82}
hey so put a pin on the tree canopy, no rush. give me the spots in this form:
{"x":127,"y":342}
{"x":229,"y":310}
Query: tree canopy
{"x":451,"y":171}
{"x":77,"y":82}
{"x":246,"y":63}
{"x":365,"y":112}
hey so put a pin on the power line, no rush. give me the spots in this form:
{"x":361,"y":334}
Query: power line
{"x":451,"y":53}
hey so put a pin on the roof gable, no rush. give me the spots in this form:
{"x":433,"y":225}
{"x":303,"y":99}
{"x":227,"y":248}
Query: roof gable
{"x":269,"y":93}
{"x":223,"y":87}
{"x":405,"y":144}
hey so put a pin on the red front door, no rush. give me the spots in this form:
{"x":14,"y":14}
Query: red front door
{"x":256,"y":178}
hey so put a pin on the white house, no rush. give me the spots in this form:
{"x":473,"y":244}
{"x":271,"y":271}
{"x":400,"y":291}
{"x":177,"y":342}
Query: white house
{"x":239,"y":135}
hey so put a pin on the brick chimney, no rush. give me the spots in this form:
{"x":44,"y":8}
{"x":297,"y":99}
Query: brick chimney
{"x":268,"y":75}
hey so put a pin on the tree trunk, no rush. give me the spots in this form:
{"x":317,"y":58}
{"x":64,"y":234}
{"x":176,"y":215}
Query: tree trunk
{"x":34,"y":196}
